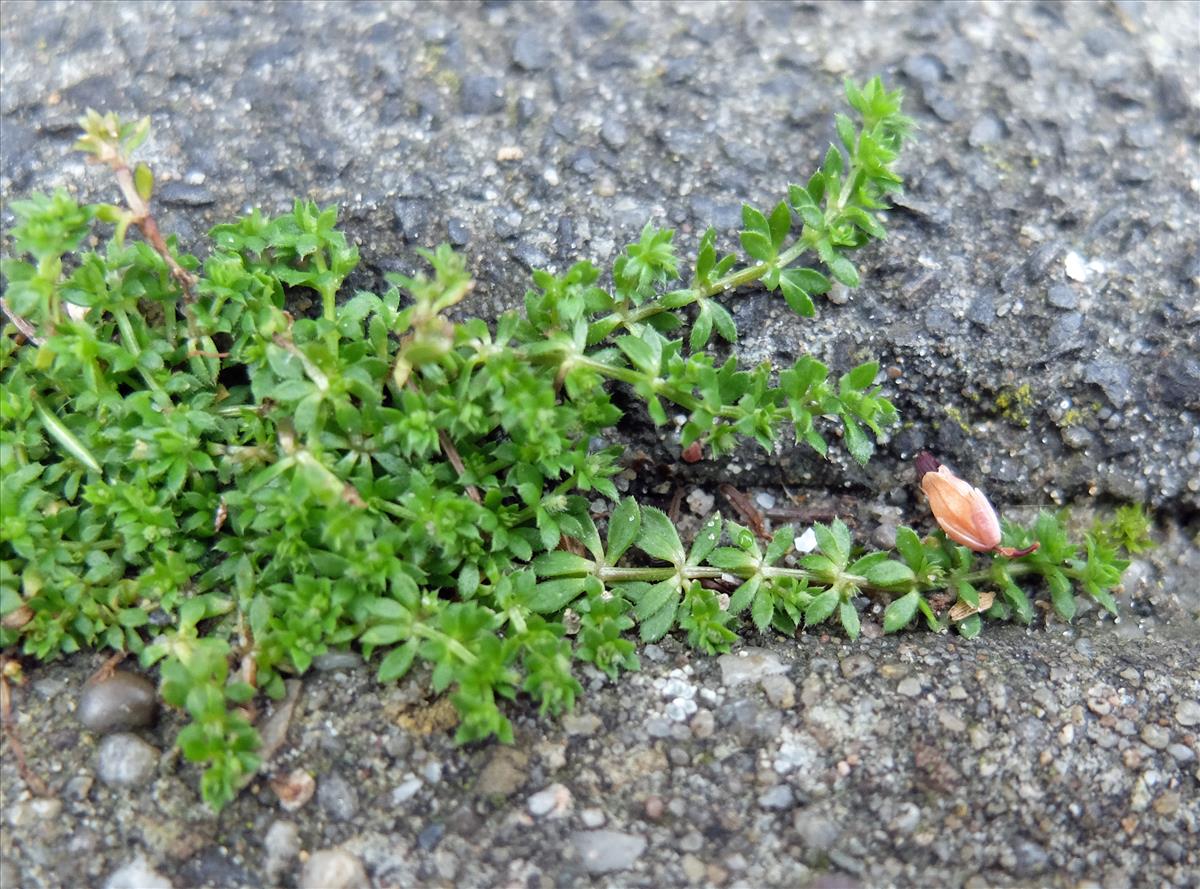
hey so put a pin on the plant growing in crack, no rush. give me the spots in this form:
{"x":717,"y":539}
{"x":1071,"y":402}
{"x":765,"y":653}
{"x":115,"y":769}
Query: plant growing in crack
{"x":196,"y":476}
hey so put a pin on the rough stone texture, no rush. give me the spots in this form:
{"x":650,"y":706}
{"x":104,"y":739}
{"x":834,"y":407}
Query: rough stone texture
{"x":1047,"y":240}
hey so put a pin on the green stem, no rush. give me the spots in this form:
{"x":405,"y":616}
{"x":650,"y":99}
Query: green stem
{"x":455,"y":647}
{"x":129,"y":341}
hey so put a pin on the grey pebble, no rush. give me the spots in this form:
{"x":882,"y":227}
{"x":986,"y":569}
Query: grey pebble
{"x":910,"y":687}
{"x":122,"y":702}
{"x":181,"y":194}
{"x":554,"y":799}
{"x":412,"y":218}
{"x":924,"y":68}
{"x":333,"y":869}
{"x":987,"y":130}
{"x":605,"y":851}
{"x":1062,"y":296}
{"x":1181,"y":752}
{"x":138,"y":874}
{"x":24,"y":814}
{"x":458,"y":232}
{"x":406,"y":791}
{"x":432,"y":772}
{"x":1113,"y":378}
{"x":1188,"y":713}
{"x":125,"y":760}
{"x":429,"y":838}
{"x":614,"y":133}
{"x":657,"y":727}
{"x":582,"y":724}
{"x":531,"y":51}
{"x":1156,"y":736}
{"x":748,"y":665}
{"x":779,"y":798}
{"x":592,"y":818}
{"x":781,"y":691}
{"x":856,"y":665}
{"x":337,"y":797}
{"x":282,"y":845}
{"x":1065,"y":334}
{"x":816,"y":831}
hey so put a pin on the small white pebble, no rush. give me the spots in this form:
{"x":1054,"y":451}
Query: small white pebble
{"x":806,"y":542}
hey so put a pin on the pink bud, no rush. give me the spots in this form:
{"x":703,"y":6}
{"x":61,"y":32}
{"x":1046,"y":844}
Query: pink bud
{"x":962,"y":511}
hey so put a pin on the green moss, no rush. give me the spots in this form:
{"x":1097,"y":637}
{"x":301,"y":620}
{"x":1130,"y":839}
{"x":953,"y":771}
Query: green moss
{"x":957,"y":416}
{"x":1014,"y":404}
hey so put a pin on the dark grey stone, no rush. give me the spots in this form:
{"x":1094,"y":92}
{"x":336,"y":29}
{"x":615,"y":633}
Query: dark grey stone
{"x":431,"y":835}
{"x":1112,"y":377}
{"x":982,"y":310}
{"x":1065,"y":334}
{"x":458,"y":232}
{"x":481,"y":94}
{"x":121,"y":702}
{"x":1178,"y":381}
{"x":181,"y":194}
{"x":614,"y":133}
{"x":531,"y":50}
{"x":526,"y":110}
{"x":1062,"y":296}
{"x":987,"y":130}
{"x":412,"y":218}
{"x":582,"y":161}
{"x":924,"y":68}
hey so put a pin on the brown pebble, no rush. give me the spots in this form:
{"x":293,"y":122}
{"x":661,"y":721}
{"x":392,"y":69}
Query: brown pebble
{"x":122,"y":702}
{"x":654,"y":807}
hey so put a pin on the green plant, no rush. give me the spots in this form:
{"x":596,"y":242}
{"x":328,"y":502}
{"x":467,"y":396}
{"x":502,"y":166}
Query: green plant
{"x":193,"y":474}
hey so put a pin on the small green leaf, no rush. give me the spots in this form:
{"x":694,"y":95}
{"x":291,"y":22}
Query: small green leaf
{"x":846,"y":131}
{"x":849,"y":616}
{"x":890,"y":574}
{"x":383,"y":634}
{"x":821,"y":607}
{"x":553,"y":596}
{"x":900,"y":612}
{"x":970,"y":627}
{"x":857,"y":442}
{"x":796,"y":296}
{"x":843,"y":269}
{"x":655,"y":598}
{"x":834,"y":541}
{"x":143,"y":181}
{"x":1061,"y":594}
{"x":908,"y":544}
{"x":659,"y":538}
{"x":780,"y":224}
{"x":559,"y":563}
{"x":763,"y":609}
{"x":657,"y":626}
{"x":729,"y":559}
{"x":862,"y":376}
{"x":397,"y":662}
{"x":706,"y":540}
{"x":623,"y":527}
{"x":757,"y":246}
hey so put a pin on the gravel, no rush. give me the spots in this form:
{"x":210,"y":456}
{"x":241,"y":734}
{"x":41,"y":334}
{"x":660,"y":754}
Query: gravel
{"x":1043,"y":242}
